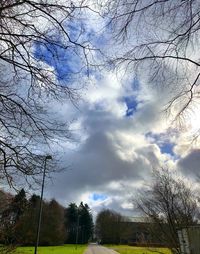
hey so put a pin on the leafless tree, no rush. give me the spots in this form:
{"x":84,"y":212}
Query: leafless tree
{"x":31,"y":30}
{"x":5,"y":201}
{"x":109,"y":227}
{"x":162,"y":38}
{"x":169,"y":204}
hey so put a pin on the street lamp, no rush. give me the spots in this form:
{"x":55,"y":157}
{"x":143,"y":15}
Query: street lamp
{"x":48,"y":157}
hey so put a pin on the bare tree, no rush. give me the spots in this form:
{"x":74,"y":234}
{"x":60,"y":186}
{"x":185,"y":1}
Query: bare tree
{"x":5,"y":201}
{"x":32,"y":35}
{"x":109,"y":227}
{"x":169,"y":204}
{"x":162,"y":38}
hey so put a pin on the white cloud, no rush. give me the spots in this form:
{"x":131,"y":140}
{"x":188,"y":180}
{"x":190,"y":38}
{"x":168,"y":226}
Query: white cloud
{"x":113,"y":159}
{"x":111,"y":153}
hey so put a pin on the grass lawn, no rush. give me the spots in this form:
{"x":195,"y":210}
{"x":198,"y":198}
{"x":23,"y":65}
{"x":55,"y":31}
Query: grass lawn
{"x":125,"y":249}
{"x":65,"y":249}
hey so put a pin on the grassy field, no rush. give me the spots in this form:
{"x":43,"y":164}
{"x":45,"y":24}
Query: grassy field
{"x":125,"y":249}
{"x":65,"y":249}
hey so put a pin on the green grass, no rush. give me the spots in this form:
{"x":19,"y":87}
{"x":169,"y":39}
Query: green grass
{"x":65,"y":249}
{"x":125,"y":249}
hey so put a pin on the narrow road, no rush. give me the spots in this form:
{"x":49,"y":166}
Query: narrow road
{"x":98,"y":249}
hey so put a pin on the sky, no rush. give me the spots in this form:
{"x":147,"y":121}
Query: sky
{"x":120,"y":131}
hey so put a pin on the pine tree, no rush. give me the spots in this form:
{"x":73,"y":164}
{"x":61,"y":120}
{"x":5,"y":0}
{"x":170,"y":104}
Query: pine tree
{"x":86,"y":223}
{"x":71,"y":221}
{"x":27,"y":226}
{"x":19,"y":205}
{"x":78,"y":222}
{"x":52,"y":226}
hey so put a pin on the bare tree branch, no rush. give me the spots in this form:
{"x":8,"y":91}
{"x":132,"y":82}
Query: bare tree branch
{"x":169,"y":204}
{"x":27,"y":80}
{"x":162,"y":37}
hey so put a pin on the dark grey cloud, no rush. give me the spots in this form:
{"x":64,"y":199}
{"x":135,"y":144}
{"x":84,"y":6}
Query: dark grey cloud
{"x":114,"y":156}
{"x":190,"y":164}
{"x":97,"y":163}
{"x":97,"y":167}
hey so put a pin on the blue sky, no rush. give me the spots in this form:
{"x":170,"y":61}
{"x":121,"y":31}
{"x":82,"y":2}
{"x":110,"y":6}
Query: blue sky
{"x":98,"y":197}
{"x":167,"y":148}
{"x":64,"y":61}
{"x":70,"y":59}
{"x":163,"y":142}
{"x":131,"y":104}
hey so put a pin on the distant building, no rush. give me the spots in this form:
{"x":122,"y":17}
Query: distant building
{"x":140,"y":231}
{"x":189,"y":239}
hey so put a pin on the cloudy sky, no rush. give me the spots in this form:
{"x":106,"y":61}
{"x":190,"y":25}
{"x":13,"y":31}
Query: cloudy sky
{"x":120,"y":131}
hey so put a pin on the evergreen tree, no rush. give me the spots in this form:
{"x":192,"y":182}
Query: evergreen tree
{"x":11,"y":216}
{"x":19,"y":205}
{"x":78,"y":222}
{"x":27,"y":226}
{"x":52,"y":226}
{"x":86,"y":223}
{"x":71,"y":222}
{"x":5,"y":200}
{"x":19,"y":221}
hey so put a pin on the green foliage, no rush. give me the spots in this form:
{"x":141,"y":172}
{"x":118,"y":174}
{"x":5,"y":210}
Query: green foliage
{"x":85,"y":223}
{"x":69,"y":249}
{"x":19,"y":205}
{"x":71,"y":222}
{"x":52,"y":226}
{"x":125,"y":249}
{"x":27,"y":226}
{"x":78,"y":223}
{"x":10,"y":217}
{"x":19,"y":221}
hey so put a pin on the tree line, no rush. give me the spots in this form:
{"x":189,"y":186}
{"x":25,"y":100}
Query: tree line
{"x":166,"y":205}
{"x":19,"y":217}
{"x":111,"y":227}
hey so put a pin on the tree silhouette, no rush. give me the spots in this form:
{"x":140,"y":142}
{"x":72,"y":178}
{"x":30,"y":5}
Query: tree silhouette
{"x":169,"y":204}
{"x":161,"y":41}
{"x":34,"y":36}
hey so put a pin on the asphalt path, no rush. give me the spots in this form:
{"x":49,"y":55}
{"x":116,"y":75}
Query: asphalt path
{"x":98,"y":249}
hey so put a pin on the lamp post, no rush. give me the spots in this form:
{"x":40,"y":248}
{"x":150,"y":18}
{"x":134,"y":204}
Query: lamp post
{"x":48,"y":157}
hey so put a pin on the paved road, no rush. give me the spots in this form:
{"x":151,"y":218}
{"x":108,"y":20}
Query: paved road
{"x":98,"y":249}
